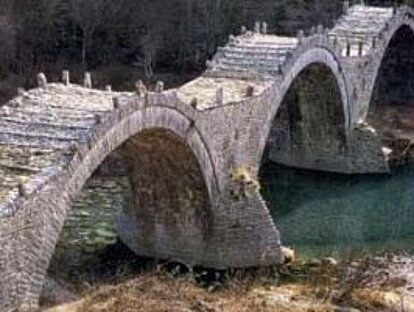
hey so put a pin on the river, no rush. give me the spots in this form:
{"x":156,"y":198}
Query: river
{"x":326,"y":214}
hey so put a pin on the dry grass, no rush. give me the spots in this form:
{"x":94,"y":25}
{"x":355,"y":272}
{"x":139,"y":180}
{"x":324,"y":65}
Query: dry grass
{"x":299,"y":287}
{"x":380,"y":300}
{"x":159,"y":292}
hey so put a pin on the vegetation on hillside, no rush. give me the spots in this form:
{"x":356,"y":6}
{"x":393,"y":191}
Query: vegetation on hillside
{"x":126,"y":39}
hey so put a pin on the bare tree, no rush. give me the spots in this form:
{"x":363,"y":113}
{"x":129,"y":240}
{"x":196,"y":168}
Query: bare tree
{"x":87,"y":16}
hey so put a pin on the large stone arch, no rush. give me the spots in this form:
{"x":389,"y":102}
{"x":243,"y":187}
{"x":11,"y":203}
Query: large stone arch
{"x":315,"y":74}
{"x":165,"y":238}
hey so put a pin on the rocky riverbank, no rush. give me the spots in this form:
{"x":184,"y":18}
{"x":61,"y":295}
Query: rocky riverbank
{"x":395,"y":127}
{"x":370,"y":284}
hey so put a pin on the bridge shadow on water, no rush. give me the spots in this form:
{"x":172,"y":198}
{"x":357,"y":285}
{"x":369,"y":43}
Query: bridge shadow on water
{"x":339,"y":215}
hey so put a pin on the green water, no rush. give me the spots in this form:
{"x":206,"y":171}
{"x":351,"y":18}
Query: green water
{"x":325,"y":214}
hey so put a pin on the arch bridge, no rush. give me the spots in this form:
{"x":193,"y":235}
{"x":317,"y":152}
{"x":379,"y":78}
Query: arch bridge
{"x":194,"y":153}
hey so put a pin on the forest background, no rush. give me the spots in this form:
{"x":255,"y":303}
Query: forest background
{"x":121,"y":41}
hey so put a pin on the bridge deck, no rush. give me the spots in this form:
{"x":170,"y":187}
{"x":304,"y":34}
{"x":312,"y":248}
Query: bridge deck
{"x":38,"y":127}
{"x":361,"y":24}
{"x":205,"y":89}
{"x":253,"y":52}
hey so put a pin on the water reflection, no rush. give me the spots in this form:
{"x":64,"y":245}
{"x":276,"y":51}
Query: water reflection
{"x":329,"y":214}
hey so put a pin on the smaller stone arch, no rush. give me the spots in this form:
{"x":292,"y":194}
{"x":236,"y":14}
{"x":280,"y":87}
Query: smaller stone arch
{"x":390,"y":66}
{"x":328,"y":58}
{"x":312,"y":103}
{"x":389,"y":101}
{"x":393,"y":78}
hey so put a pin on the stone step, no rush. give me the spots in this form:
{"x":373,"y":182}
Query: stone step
{"x":25,"y":157}
{"x":50,"y":110}
{"x":357,"y":9}
{"x":238,"y":52}
{"x":366,"y":16}
{"x":46,"y":132}
{"x":363,"y":19}
{"x":73,"y":107}
{"x":44,"y":129}
{"x":355,"y":34}
{"x":255,"y":58}
{"x":81,"y":99}
{"x":254,"y":46}
{"x":23,"y":139}
{"x":68,"y":123}
{"x":251,"y":62}
{"x":355,"y":23}
{"x":351,"y":22}
{"x":357,"y":28}
{"x":52,"y":116}
{"x":247,"y":69}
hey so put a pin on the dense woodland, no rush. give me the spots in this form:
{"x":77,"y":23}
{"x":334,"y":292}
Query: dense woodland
{"x":123,"y":40}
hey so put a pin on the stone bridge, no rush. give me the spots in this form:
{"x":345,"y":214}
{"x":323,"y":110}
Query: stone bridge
{"x":194,"y":154}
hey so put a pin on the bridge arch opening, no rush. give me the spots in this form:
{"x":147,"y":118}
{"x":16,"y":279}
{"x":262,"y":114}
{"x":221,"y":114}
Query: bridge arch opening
{"x":307,"y":132}
{"x":155,"y":185}
{"x":391,"y":108}
{"x":394,"y":82}
{"x":309,"y":129}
